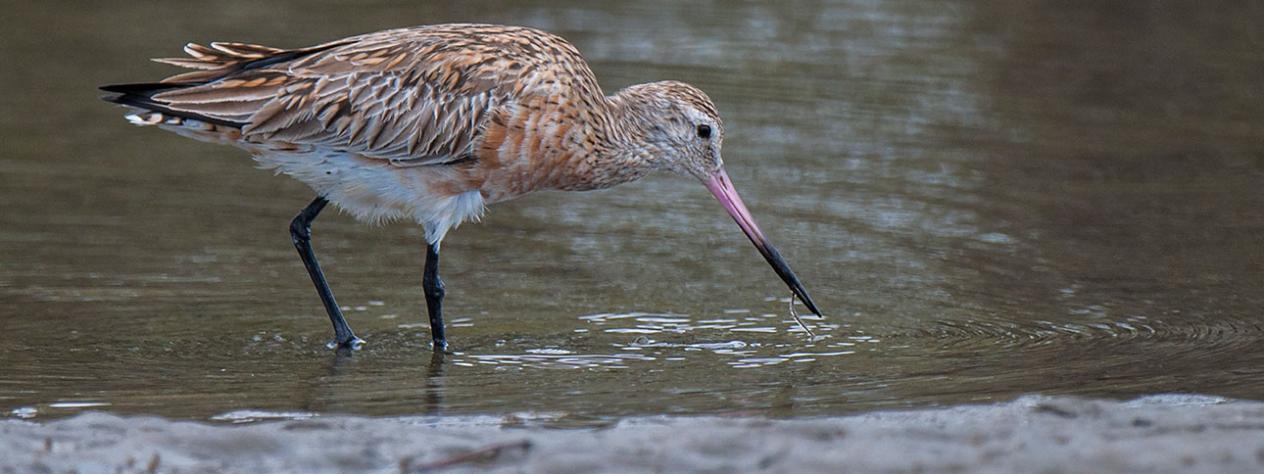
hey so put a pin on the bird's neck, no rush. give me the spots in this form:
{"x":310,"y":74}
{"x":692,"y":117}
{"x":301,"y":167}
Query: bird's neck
{"x":621,"y":151}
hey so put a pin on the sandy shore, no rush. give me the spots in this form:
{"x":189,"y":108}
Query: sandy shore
{"x":1170,"y":433}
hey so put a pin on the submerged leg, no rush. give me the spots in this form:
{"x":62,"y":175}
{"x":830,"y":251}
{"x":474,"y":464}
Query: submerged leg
{"x":432,"y":285}
{"x":301,"y":233}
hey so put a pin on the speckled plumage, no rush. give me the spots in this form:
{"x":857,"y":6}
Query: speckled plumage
{"x":430,"y":122}
{"x":433,"y":123}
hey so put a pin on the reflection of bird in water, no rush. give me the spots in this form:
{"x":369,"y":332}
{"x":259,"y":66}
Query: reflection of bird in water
{"x":433,"y":123}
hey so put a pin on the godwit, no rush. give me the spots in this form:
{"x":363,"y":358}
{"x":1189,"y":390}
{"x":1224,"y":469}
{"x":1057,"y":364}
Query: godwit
{"x":433,"y":123}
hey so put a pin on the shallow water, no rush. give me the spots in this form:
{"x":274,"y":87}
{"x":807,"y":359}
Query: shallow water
{"x":987,"y":199}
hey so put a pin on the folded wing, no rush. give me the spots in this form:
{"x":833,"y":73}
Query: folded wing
{"x":413,"y":97}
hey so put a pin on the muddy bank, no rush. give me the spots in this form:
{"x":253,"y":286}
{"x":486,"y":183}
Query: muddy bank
{"x":1169,"y":433}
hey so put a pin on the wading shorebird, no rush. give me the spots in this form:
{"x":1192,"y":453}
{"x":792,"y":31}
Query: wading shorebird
{"x":433,"y":123}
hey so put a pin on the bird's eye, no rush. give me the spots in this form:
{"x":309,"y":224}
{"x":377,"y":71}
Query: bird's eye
{"x":704,"y":131}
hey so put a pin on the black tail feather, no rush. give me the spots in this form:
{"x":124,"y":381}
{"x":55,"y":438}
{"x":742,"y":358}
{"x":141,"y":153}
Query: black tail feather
{"x":143,"y":88}
{"x":140,"y":95}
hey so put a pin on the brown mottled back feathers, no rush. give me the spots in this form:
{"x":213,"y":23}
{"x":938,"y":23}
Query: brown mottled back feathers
{"x":413,"y":96}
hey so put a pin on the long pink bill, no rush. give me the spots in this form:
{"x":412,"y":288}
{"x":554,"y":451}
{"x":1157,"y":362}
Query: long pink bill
{"x":722,"y":189}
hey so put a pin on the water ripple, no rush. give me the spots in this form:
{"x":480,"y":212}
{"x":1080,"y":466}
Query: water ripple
{"x":1206,"y":337}
{"x":744,"y":341}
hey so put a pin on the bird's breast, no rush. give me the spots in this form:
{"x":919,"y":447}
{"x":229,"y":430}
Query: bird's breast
{"x":540,"y":144}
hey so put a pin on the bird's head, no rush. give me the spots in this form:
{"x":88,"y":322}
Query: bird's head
{"x":679,"y":126}
{"x":681,"y":131}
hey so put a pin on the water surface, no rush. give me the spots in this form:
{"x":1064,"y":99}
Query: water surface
{"x":988,"y":199}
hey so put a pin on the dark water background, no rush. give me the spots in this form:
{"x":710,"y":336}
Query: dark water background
{"x":987,"y":198}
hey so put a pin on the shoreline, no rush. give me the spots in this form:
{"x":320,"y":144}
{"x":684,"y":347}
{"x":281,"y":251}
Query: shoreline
{"x":1161,"y":433}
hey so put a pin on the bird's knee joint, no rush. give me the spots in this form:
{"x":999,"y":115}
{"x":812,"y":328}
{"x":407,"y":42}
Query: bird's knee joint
{"x":300,"y":230}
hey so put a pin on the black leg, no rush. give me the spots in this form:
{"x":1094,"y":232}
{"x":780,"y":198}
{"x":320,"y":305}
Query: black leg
{"x":433,"y":287}
{"x":301,"y":232}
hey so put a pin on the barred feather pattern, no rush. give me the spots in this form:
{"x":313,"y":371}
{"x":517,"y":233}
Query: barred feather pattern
{"x":411,"y":96}
{"x":430,"y":122}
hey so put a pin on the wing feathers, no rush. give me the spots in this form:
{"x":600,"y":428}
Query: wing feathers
{"x":412,"y":96}
{"x":187,"y":63}
{"x":243,"y":50}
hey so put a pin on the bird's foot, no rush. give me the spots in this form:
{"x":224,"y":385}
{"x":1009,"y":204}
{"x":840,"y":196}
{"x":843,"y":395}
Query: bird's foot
{"x":354,"y":343}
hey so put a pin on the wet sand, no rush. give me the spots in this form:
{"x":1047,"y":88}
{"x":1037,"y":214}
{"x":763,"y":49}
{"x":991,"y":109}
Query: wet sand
{"x":1167,"y":433}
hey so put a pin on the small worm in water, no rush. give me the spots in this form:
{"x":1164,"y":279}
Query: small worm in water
{"x":795,"y":315}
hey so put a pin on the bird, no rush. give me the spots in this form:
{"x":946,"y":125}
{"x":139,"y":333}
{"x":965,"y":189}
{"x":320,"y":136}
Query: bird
{"x":434,"y":123}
